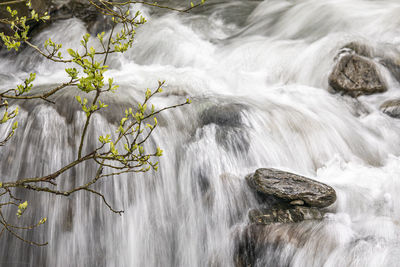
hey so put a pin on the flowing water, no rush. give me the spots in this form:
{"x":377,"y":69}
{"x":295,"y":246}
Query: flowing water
{"x":257,"y":73}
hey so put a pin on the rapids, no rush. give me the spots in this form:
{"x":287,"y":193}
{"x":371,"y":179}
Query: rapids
{"x":264,"y":66}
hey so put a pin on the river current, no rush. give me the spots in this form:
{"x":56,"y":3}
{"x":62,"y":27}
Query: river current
{"x":257,"y":72}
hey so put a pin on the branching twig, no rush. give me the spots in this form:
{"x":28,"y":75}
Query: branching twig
{"x":134,"y":129}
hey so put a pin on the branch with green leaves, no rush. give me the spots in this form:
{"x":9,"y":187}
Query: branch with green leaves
{"x":120,"y":153}
{"x":123,"y":154}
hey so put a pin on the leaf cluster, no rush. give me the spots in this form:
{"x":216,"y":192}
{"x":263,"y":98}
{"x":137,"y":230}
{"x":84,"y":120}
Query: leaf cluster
{"x":117,"y":153}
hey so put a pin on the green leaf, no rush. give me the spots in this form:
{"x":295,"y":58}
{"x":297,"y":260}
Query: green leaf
{"x":71,"y":52}
{"x":5,"y":117}
{"x":127,"y":148}
{"x":148,"y":93}
{"x":123,"y":121}
{"x":23,"y":205}
{"x":21,"y":208}
{"x":159,"y":152}
{"x":72,"y":72}
{"x":15,"y":126}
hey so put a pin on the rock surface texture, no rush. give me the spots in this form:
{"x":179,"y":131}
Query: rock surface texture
{"x":291,"y":187}
{"x":391,"y":108}
{"x":355,"y":75}
{"x":284,"y":215}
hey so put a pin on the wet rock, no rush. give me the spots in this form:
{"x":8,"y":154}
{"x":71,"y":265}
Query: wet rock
{"x":355,"y":75}
{"x":289,"y":215}
{"x":388,"y":55}
{"x":257,"y":243}
{"x":83,"y":10}
{"x":291,"y":187}
{"x":229,"y":132}
{"x":222,"y":115}
{"x":391,"y":108}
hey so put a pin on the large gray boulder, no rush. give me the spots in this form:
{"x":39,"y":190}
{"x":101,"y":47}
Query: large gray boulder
{"x":355,"y":75}
{"x":391,"y":108}
{"x":291,"y":187}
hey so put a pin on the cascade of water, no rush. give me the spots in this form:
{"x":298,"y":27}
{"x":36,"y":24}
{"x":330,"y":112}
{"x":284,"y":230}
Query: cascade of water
{"x":258,"y":79}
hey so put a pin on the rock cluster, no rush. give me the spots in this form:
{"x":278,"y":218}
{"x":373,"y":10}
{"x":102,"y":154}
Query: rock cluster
{"x":356,"y":72}
{"x":288,"y":197}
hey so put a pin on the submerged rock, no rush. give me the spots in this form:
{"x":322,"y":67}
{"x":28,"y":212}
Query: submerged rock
{"x":355,"y":75}
{"x":230,"y":132}
{"x":223,"y":115}
{"x":259,"y":245}
{"x":391,"y":108}
{"x":291,"y":187}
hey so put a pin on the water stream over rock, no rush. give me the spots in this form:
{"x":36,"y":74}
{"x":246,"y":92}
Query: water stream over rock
{"x":257,"y":72}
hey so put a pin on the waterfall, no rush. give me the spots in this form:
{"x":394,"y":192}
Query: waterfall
{"x":257,"y":72}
